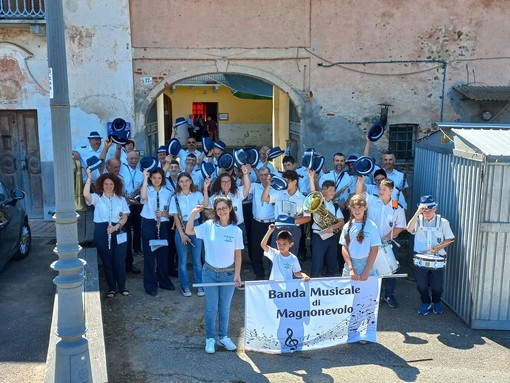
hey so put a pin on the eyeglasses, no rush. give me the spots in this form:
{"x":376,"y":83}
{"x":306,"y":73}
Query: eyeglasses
{"x":223,"y":208}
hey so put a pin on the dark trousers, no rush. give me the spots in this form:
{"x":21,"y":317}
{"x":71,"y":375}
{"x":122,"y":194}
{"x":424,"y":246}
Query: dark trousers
{"x":325,"y":252}
{"x":133,"y":230}
{"x":429,"y":279}
{"x":248,"y":218}
{"x":258,"y":230}
{"x":113,"y":258}
{"x":155,"y":263}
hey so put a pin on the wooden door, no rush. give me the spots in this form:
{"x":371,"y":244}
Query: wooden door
{"x":20,"y":161}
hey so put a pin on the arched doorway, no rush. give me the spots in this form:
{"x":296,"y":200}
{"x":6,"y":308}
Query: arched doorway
{"x":286,"y":105}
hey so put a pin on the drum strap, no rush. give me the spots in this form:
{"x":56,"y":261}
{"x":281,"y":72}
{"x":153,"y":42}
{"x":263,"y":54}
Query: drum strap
{"x":429,"y":230}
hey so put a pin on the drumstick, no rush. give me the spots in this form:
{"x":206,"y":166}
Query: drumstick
{"x":396,"y":243}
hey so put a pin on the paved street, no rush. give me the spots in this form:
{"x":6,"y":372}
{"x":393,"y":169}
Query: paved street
{"x":26,"y":305}
{"x":161,"y":339}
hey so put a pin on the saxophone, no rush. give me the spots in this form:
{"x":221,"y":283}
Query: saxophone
{"x":341,"y":191}
{"x":314,"y":203}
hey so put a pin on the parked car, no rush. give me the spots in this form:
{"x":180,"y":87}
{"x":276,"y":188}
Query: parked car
{"x":15,"y":235}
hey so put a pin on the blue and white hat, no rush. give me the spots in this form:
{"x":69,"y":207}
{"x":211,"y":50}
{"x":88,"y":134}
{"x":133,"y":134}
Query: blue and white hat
{"x":226,"y":161}
{"x":119,"y":124}
{"x":94,"y":163}
{"x":364,"y":165}
{"x":284,"y":220}
{"x":180,"y":121}
{"x":278,"y":182}
{"x":351,"y":159}
{"x":429,"y":201}
{"x":207,"y":144}
{"x":163,"y":149}
{"x":174,"y":147}
{"x":307,"y":158}
{"x":149,"y":163}
{"x":220,"y":145}
{"x":119,"y":137}
{"x":94,"y":134}
{"x":207,"y":169}
{"x":239,"y":158}
{"x":376,"y":132}
{"x":252,"y":156}
{"x":274,"y":153}
{"x":317,"y":164}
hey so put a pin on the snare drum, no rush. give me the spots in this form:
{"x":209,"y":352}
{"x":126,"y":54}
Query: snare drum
{"x":385,"y":262}
{"x":430,"y":261}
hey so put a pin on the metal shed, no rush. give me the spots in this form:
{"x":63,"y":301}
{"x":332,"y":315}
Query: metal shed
{"x":466,"y":167}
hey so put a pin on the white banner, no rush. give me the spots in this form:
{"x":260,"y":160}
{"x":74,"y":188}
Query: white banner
{"x":299,"y":316}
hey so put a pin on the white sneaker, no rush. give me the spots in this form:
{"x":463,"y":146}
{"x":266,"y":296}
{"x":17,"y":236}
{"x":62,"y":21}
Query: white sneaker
{"x":209,"y":345}
{"x":227,"y":343}
{"x":186,"y":292}
{"x":200,"y":292}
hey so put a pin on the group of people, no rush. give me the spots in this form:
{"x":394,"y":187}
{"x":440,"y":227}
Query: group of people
{"x":208,"y":205}
{"x":198,"y":127}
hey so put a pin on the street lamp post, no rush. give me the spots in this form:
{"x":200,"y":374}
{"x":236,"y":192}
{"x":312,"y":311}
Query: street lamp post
{"x":72,"y":360}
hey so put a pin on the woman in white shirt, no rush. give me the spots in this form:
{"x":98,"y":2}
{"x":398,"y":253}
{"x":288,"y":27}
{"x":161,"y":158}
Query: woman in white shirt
{"x":186,"y":197}
{"x":223,"y":242}
{"x":155,"y":198}
{"x":225,"y":185}
{"x":110,"y":214}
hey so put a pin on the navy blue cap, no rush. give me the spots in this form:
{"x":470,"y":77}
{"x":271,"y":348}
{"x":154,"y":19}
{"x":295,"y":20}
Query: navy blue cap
{"x":180,"y":121}
{"x":428,"y":200}
{"x":207,"y":144}
{"x":274,"y":153}
{"x":119,"y":124}
{"x":284,"y":220}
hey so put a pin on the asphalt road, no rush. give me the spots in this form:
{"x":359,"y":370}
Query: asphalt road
{"x":26,"y":302}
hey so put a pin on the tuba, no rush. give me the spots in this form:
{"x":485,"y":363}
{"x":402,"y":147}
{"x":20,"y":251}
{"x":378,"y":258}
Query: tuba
{"x":314,"y":203}
{"x":79,"y":201}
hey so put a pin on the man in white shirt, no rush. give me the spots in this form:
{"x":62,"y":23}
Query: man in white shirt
{"x":192,"y":149}
{"x":84,"y":152}
{"x":342,"y":180}
{"x":285,"y":200}
{"x":263,"y":216}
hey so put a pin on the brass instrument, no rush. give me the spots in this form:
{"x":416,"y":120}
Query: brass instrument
{"x":314,"y":203}
{"x":79,"y":200}
{"x":341,"y":191}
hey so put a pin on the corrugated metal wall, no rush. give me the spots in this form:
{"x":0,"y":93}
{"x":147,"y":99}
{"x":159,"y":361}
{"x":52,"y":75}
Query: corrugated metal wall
{"x":492,"y":297}
{"x":477,"y":280}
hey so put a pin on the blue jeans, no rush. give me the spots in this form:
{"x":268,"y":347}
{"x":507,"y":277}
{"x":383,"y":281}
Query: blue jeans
{"x":217,"y":300}
{"x":359,"y":266}
{"x":182,"y":253}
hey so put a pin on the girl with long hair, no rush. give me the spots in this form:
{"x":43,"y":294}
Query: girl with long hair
{"x":186,"y":197}
{"x":223,"y":242}
{"x":360,"y":239}
{"x":110,"y":214}
{"x":155,"y":198}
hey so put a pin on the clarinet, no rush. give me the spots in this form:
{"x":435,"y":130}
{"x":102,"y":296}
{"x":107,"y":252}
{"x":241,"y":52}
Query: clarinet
{"x":109,"y":224}
{"x":158,"y":219}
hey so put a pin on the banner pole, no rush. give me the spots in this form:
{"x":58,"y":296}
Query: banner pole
{"x":293,"y":280}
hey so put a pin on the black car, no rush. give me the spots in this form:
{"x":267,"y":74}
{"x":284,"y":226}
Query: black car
{"x":15,"y":236}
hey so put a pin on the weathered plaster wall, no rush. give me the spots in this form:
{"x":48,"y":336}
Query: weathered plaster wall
{"x":289,"y":39}
{"x":99,"y":68}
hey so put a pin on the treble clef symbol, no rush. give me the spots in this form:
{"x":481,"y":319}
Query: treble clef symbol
{"x":291,"y":342}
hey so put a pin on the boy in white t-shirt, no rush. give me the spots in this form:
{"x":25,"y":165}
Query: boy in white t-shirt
{"x":285,"y":264}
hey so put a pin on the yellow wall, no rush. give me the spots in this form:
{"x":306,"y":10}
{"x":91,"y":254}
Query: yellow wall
{"x":239,"y":110}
